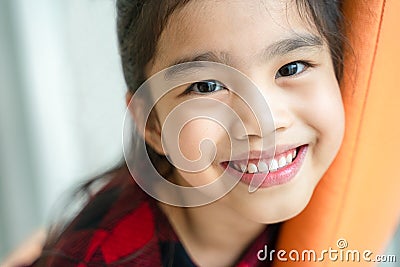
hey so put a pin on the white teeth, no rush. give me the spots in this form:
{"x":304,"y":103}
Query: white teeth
{"x":289,"y":158}
{"x":252,"y":168}
{"x":262,"y":166}
{"x":273,"y":166}
{"x":282,"y":162}
{"x":236,"y":166}
{"x":243,"y":167}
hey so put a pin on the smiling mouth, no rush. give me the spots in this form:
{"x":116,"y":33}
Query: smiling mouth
{"x":254,"y":166}
{"x":267,"y":172}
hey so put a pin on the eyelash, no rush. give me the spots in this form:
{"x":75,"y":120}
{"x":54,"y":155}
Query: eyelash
{"x":214,"y":83}
{"x":221,"y":86}
{"x":305,"y":64}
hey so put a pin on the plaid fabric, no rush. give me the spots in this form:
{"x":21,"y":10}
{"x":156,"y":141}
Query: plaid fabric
{"x":122,"y":226}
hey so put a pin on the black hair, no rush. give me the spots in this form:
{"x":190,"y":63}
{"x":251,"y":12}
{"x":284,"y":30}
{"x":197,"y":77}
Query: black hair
{"x":139,"y":26}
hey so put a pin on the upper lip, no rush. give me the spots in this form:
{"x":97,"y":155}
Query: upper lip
{"x":264,"y":154}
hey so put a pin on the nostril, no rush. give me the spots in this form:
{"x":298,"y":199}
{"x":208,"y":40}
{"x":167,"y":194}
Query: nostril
{"x":242,"y":130}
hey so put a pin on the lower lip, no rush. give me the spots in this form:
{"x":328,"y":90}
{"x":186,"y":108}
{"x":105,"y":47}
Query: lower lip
{"x":281,"y":176}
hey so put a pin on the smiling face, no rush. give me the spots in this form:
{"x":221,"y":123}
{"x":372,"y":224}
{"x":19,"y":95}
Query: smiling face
{"x":291,"y":65}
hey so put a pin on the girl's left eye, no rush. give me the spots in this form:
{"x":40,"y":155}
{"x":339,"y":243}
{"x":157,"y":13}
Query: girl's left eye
{"x":205,"y":87}
{"x":292,"y":69}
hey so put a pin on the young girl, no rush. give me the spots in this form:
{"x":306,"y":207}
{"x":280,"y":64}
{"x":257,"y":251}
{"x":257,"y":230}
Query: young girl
{"x":241,"y":63}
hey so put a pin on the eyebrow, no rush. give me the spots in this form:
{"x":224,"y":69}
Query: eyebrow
{"x":276,"y":49}
{"x":289,"y":45}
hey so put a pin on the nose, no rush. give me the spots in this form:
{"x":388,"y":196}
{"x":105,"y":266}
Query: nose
{"x":282,"y":110}
{"x":263,"y":115}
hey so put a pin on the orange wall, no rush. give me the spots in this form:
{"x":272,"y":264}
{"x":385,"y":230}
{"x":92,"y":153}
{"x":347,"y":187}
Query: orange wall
{"x":359,"y":197}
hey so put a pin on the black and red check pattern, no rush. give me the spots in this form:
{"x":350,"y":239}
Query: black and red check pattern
{"x":122,"y":226}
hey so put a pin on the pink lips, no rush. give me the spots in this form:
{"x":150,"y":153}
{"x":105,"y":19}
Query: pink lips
{"x":280,"y":176}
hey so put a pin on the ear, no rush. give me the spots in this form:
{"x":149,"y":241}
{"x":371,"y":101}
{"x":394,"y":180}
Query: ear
{"x":149,"y":129}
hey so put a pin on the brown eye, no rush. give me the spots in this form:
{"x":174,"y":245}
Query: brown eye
{"x":291,"y":69}
{"x":205,"y":87}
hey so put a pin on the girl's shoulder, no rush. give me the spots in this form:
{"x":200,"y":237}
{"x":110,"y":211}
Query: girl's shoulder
{"x":120,"y":224}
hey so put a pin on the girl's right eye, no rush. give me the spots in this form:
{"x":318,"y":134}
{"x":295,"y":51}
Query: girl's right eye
{"x":205,"y":87}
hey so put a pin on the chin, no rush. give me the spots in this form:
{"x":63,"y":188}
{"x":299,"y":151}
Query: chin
{"x":281,"y":204}
{"x":286,"y":212}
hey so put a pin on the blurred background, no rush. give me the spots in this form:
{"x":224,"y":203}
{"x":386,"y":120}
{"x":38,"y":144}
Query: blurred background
{"x":61,"y":107}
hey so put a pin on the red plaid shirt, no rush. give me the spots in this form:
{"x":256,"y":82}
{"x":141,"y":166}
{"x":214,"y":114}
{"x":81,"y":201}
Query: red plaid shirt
{"x":122,"y":226}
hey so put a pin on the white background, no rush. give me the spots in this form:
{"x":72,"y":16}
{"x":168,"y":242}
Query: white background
{"x":61,"y":105}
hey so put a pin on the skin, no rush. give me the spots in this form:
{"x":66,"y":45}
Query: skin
{"x":304,"y":106}
{"x":27,"y":252}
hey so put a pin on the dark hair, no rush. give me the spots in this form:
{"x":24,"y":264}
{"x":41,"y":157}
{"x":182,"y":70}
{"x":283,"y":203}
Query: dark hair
{"x":141,"y":22}
{"x":139,"y":26}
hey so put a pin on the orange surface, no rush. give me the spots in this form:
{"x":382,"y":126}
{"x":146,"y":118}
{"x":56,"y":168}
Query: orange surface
{"x":359,"y":197}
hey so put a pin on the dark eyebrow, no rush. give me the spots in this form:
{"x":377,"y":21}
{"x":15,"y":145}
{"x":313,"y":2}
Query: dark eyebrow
{"x":285,"y":46}
{"x":276,"y":49}
{"x":197,"y":62}
{"x":208,"y":56}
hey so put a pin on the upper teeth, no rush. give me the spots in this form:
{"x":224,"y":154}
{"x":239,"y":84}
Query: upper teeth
{"x":263,"y":166}
{"x":252,"y":168}
{"x":273,"y":166}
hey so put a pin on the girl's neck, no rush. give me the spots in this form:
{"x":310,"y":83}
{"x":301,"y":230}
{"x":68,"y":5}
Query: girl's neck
{"x":214,"y":234}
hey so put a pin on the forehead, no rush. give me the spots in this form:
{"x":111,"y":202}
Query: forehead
{"x":235,"y":29}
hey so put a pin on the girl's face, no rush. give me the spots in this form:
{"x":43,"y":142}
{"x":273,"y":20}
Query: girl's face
{"x":289,"y":61}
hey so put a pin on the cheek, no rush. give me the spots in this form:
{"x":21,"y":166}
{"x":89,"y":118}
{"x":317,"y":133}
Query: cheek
{"x":325,"y":114}
{"x":199,"y":142}
{"x":200,"y":138}
{"x":331,"y":115}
